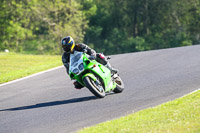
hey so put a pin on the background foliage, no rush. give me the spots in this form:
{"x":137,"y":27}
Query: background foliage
{"x":109,"y":26}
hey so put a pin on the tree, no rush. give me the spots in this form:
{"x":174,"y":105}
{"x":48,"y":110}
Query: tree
{"x":28,"y":20}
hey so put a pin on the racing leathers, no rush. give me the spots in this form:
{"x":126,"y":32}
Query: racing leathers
{"x":81,"y":48}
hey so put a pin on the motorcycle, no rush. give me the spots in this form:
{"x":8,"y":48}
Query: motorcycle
{"x":93,"y":75}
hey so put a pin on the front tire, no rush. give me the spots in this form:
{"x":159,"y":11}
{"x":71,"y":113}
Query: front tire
{"x":120,"y":85}
{"x":96,"y":89}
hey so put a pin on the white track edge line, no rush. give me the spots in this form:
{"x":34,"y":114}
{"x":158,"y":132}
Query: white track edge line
{"x":13,"y":81}
{"x":190,"y":93}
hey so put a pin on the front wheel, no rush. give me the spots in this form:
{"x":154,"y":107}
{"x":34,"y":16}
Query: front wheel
{"x":120,"y":85}
{"x":94,"y":86}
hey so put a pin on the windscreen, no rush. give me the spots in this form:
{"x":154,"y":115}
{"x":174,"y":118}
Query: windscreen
{"x":74,"y":60}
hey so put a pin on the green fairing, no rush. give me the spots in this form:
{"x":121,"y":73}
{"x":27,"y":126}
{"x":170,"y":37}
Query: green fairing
{"x":92,"y":68}
{"x":103,"y":72}
{"x":90,"y":75}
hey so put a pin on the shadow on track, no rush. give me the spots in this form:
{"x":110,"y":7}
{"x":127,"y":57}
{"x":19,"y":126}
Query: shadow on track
{"x":54,"y":103}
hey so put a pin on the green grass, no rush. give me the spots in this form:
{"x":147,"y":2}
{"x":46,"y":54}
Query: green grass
{"x":14,"y":66}
{"x":179,"y":116}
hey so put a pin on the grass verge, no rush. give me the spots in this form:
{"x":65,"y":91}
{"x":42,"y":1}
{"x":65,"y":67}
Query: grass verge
{"x":14,"y":66}
{"x":179,"y":116}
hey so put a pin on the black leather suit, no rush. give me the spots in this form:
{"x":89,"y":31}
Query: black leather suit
{"x":80,"y":47}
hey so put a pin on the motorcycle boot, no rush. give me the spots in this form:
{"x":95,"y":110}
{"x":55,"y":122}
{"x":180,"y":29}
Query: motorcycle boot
{"x":102,"y":59}
{"x":113,"y":70}
{"x":77,"y":85}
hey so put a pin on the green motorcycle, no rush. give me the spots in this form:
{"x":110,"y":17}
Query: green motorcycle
{"x":93,"y":75}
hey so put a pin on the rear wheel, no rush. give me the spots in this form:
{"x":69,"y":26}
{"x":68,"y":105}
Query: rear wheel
{"x":95,"y":87}
{"x":120,"y":85}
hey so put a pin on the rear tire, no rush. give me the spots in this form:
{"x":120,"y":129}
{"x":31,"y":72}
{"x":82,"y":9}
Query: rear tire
{"x":97,"y":90}
{"x":120,"y":85}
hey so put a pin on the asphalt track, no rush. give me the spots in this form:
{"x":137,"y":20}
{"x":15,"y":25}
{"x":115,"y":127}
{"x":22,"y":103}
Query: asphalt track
{"x":48,"y":103}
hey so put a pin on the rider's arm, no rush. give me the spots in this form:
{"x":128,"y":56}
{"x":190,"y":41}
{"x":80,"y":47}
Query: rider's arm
{"x":65,"y":60}
{"x":90,"y":51}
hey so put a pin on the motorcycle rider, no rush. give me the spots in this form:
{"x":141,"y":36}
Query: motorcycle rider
{"x":69,"y":47}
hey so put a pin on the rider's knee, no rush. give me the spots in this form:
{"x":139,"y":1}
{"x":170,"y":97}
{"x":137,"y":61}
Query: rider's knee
{"x":101,"y":58}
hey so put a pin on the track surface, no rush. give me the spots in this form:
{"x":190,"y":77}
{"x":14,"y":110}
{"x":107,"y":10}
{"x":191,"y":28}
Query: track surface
{"x":48,"y":103}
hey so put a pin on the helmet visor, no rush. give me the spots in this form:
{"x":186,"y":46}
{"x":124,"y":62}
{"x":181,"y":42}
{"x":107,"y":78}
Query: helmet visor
{"x":67,"y":45}
{"x":64,"y":43}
